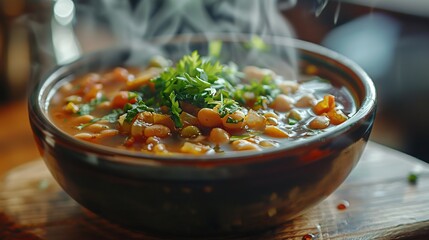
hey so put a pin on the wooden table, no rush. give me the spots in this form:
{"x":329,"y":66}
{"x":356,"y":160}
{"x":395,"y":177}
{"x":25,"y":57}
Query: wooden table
{"x":383,"y":204}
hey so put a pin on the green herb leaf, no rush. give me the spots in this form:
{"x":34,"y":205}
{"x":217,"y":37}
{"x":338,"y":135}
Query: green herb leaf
{"x":292,"y":121}
{"x":412,"y":178}
{"x":133,"y":109}
{"x":175,"y":110}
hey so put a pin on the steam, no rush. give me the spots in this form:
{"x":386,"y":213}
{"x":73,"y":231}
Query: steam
{"x":137,"y":23}
{"x":149,"y":19}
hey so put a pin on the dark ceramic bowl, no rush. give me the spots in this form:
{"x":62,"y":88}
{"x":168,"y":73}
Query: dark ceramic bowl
{"x":207,"y":195}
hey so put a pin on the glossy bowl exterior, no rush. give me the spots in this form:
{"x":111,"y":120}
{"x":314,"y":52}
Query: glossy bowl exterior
{"x":234,"y":193}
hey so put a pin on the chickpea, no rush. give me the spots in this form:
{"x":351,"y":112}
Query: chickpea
{"x":209,"y":118}
{"x":234,"y":120}
{"x":274,"y":131}
{"x":157,"y":130}
{"x":282,"y":103}
{"x":319,"y":122}
{"x":219,"y":136}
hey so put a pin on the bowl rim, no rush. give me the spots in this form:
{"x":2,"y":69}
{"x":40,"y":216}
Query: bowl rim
{"x":368,"y":105}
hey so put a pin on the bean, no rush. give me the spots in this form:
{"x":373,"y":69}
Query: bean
{"x":96,"y":127}
{"x":271,"y":114}
{"x":93,"y":92}
{"x":243,"y":145}
{"x":209,"y":118}
{"x":288,"y":86}
{"x":190,"y":132}
{"x":268,"y":144}
{"x":295,"y":114}
{"x":234,"y":120}
{"x":319,"y":122}
{"x":282,"y":103}
{"x":82,"y":119}
{"x":85,"y":136}
{"x":218,"y":136}
{"x":305,"y":101}
{"x":108,"y":133}
{"x":146,"y":117}
{"x":254,"y":120}
{"x":272,"y":121}
{"x":157,"y":130}
{"x":276,"y":132}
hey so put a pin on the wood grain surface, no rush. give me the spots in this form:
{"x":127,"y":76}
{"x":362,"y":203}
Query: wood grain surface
{"x":382,"y":205}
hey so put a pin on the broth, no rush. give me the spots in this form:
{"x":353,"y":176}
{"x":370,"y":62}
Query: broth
{"x":198,"y":106}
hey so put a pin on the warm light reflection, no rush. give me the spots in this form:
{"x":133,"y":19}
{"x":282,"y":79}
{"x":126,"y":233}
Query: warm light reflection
{"x":64,"y":11}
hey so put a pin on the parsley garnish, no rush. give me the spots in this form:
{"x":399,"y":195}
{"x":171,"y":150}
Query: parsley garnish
{"x":133,"y":109}
{"x":264,"y":92}
{"x":194,"y":80}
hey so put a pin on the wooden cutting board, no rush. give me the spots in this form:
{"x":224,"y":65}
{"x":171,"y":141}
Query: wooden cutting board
{"x":382,"y":204}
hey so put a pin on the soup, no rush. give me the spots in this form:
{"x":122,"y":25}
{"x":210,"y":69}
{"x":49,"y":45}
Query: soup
{"x":197,"y":106}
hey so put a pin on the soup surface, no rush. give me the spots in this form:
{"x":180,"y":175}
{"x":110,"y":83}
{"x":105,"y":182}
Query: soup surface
{"x":197,"y":106}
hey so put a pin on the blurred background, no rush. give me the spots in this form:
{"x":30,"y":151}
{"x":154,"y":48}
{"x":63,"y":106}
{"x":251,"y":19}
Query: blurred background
{"x":388,"y":38}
